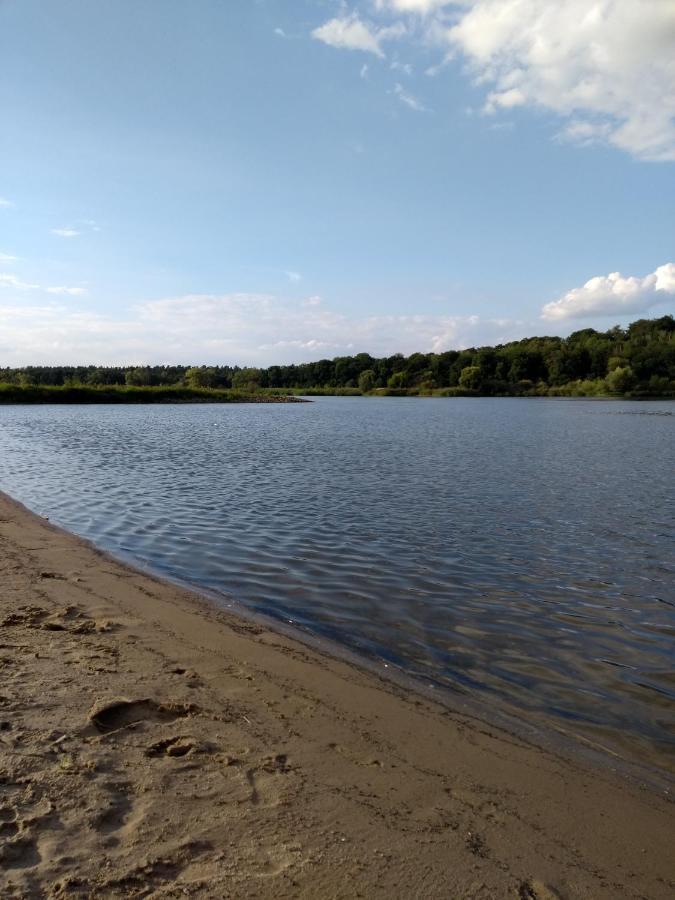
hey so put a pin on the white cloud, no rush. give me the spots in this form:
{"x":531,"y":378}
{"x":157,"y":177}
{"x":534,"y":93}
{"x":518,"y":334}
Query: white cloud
{"x":397,"y":66}
{"x":5,"y":204}
{"x":66,"y":232}
{"x":504,"y":100}
{"x":71,"y":291}
{"x":609,"y":65}
{"x":280,"y":32}
{"x":614,"y":295}
{"x":228,"y":328}
{"x":7,"y":257}
{"x":11,"y":281}
{"x":422,"y":7}
{"x":293,"y":276}
{"x":606,"y":68}
{"x":409,"y":99}
{"x":350,"y":32}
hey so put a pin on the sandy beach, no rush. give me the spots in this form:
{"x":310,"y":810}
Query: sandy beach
{"x":152,"y":745}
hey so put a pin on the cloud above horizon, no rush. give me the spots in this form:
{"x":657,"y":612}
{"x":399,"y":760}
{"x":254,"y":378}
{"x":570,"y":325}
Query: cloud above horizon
{"x":239,"y":328}
{"x":614,"y":295}
{"x":606,"y":69}
{"x":350,"y":32}
{"x":11,"y":281}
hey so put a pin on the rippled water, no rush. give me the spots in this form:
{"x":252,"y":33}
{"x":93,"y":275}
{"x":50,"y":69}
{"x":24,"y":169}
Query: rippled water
{"x":523,"y":548}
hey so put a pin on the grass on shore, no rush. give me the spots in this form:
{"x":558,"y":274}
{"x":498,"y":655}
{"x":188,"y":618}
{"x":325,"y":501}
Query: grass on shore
{"x":90,"y":394}
{"x":12,"y":393}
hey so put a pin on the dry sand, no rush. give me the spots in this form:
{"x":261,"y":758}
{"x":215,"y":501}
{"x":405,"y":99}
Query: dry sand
{"x":153,"y":746}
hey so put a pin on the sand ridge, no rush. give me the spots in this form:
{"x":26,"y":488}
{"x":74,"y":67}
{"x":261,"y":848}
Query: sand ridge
{"x":152,"y":745}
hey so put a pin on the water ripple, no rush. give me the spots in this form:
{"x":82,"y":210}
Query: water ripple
{"x":521,"y":548}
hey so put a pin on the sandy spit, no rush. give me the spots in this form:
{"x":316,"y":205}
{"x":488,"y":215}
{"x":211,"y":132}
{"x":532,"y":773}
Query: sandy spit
{"x":154,"y":746}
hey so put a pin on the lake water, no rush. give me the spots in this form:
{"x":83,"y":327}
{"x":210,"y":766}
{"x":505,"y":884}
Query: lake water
{"x":517,"y":549}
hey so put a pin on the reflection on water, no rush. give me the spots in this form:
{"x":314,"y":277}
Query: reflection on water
{"x":523,"y":548}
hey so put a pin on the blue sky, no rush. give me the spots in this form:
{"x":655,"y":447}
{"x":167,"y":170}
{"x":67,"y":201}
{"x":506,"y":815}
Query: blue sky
{"x":259,"y":182}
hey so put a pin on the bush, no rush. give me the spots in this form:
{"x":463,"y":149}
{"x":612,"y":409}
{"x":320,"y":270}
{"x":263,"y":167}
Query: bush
{"x":471,"y":378}
{"x":620,"y":380}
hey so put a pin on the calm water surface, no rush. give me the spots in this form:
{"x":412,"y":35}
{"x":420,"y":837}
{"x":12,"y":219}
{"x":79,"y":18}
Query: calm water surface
{"x":522,"y":549}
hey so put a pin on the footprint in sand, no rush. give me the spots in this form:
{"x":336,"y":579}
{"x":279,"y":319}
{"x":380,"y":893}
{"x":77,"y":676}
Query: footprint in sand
{"x":30,"y":616}
{"x":116,"y":715}
{"x":19,"y":853}
{"x":354,"y":758}
{"x":68,"y":618}
{"x":174,"y":747}
{"x":115,"y":816}
{"x":536,"y":890}
{"x":71,"y":619}
{"x":8,"y":822}
{"x":266,"y":787}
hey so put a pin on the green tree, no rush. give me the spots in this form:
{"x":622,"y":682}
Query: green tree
{"x":470,"y":378}
{"x":202,"y":377}
{"x":139,"y":377}
{"x":615,"y":362}
{"x":397,"y":381}
{"x":367,"y":381}
{"x":620,"y":380}
{"x":247,"y":379}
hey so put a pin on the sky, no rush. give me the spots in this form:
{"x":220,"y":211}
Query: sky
{"x":255,"y":182}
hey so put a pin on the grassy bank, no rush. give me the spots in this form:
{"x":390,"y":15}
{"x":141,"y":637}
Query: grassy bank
{"x":577,"y":390}
{"x":84,"y":394}
{"x":581,"y":390}
{"x":88,"y":394}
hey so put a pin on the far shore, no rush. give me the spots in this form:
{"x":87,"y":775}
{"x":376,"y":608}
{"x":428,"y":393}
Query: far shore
{"x":82,"y":394}
{"x":152,"y":744}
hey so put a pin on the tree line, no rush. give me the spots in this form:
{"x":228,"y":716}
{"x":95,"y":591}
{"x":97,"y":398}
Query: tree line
{"x":638,"y":361}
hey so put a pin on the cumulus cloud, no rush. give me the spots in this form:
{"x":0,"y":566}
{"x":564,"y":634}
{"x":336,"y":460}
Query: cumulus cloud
{"x":7,"y":258}
{"x":5,"y":204}
{"x":257,"y":329}
{"x":609,"y":65}
{"x":606,"y":68}
{"x":350,"y":32}
{"x":66,"y":232}
{"x":614,"y":295}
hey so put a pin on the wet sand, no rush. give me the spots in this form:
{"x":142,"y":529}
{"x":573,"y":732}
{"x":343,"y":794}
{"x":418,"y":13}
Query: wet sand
{"x":152,"y":745}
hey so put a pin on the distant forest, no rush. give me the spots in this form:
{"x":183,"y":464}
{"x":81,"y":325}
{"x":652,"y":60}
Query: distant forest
{"x":636,"y":361}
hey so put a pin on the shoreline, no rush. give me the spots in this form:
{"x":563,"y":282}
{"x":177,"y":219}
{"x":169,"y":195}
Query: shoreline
{"x":486,"y":710}
{"x":248,"y":763}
